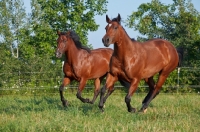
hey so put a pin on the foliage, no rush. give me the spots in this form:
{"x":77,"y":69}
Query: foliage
{"x":31,"y":38}
{"x":13,"y":19}
{"x":72,"y":15}
{"x":9,"y":66}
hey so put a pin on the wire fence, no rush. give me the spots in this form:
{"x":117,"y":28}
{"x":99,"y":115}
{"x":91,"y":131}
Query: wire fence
{"x":185,"y":77}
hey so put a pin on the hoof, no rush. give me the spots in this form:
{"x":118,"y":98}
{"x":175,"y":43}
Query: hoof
{"x":90,"y":102}
{"x":132,"y":110}
{"x":85,"y":100}
{"x":101,"y":109}
{"x":65,"y":103}
{"x":143,"y":110}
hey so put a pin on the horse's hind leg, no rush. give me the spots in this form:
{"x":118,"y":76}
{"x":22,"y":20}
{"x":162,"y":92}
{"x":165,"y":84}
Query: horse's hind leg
{"x":65,"y":82}
{"x":82,"y":84}
{"x":158,"y":86}
{"x":151,"y":85}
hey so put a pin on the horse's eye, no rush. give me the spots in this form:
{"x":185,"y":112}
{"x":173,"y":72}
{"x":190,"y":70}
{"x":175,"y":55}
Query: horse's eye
{"x":106,"y":29}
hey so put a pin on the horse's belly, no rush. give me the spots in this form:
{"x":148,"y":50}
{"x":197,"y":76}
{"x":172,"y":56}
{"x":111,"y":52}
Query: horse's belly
{"x":146,"y":73}
{"x":141,"y":72}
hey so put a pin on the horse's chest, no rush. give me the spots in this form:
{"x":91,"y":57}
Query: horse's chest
{"x":116,"y":67}
{"x":123,"y":69}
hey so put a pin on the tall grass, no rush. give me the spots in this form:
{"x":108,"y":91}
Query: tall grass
{"x":42,"y":113}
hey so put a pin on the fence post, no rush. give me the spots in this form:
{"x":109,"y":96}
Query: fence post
{"x":19,"y":81}
{"x":62,"y":73}
{"x":178,"y":78}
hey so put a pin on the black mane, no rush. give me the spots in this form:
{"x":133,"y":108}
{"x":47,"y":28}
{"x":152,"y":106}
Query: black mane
{"x":133,"y":39}
{"x":115,"y":20}
{"x":76,"y":40}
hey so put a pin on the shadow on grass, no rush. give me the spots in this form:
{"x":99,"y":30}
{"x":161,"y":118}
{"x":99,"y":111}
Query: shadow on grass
{"x":42,"y":103}
{"x":37,"y":104}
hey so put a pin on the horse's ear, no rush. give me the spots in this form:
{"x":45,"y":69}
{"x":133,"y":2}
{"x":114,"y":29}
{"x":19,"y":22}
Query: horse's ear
{"x":108,"y":19}
{"x":118,"y":18}
{"x":58,"y":32}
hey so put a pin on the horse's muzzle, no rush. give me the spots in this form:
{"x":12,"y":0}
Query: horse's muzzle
{"x":105,"y":41}
{"x":58,"y":54}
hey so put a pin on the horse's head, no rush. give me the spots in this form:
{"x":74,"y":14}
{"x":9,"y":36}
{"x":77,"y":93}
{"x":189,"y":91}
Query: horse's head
{"x":112,"y":31}
{"x":61,"y":43}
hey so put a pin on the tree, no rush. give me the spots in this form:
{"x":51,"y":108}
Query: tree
{"x":72,"y":15}
{"x":178,"y":22}
{"x":41,"y":33}
{"x":13,"y":18}
{"x":12,"y":22}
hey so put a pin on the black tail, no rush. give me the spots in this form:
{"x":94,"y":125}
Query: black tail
{"x":124,"y":83}
{"x":180,"y":55}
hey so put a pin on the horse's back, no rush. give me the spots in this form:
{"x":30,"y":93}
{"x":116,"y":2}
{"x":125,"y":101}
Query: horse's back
{"x":161,"y":51}
{"x":157,"y":54}
{"x":101,"y":53}
{"x":164,"y":47}
{"x":99,"y":60}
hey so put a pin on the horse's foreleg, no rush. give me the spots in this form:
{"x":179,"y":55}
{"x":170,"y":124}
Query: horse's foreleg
{"x":109,"y":92}
{"x":132,"y":89}
{"x":97,"y":90}
{"x":102,"y":93}
{"x":65,"y":82}
{"x":82,"y":84}
{"x":110,"y":80}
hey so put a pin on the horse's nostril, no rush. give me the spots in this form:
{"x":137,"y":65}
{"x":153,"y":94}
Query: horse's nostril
{"x":107,"y":40}
{"x":58,"y":54}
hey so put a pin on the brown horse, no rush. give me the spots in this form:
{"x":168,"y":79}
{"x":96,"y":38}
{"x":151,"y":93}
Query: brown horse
{"x":81,"y":64}
{"x":133,"y":61}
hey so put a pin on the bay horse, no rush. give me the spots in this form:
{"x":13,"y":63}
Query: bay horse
{"x":133,"y":61}
{"x":81,"y":64}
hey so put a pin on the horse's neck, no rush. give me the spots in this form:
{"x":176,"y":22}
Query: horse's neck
{"x":123,"y":48}
{"x":72,"y":53}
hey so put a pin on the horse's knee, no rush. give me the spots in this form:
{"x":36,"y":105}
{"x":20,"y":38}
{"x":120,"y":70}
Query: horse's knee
{"x":97,"y":92}
{"x":127,"y":99}
{"x":103,"y":90}
{"x":78,"y":95}
{"x":61,"y":88}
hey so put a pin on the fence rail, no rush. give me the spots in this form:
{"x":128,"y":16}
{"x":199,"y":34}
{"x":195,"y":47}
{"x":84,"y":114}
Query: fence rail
{"x":180,"y":78}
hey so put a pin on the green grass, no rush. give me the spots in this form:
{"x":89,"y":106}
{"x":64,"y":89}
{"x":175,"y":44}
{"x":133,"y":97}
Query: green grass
{"x":31,"y":113}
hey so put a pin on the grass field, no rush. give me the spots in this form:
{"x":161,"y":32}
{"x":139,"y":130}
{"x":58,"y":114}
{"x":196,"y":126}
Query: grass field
{"x":44,"y":113}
